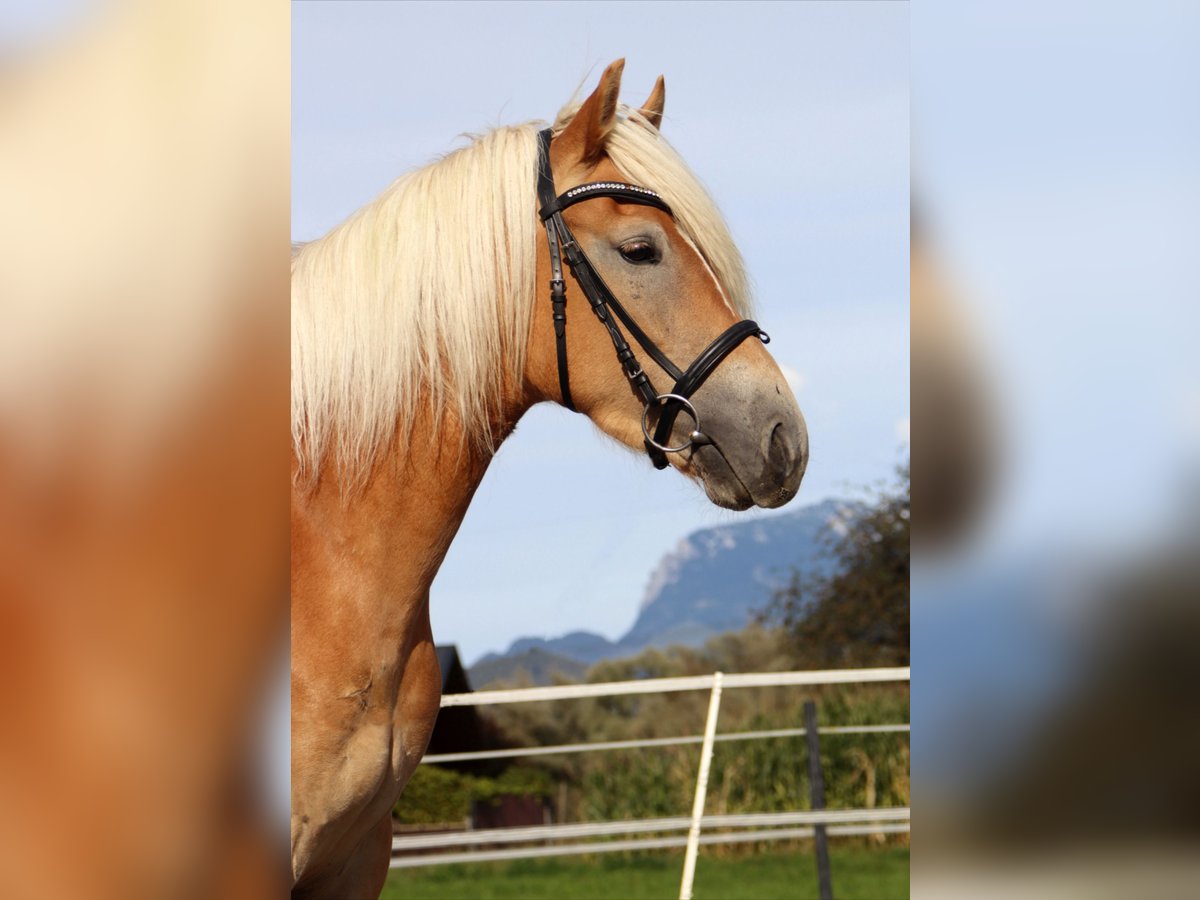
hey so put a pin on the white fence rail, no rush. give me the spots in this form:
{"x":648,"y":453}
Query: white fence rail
{"x":768,"y":826}
{"x":556,"y":749}
{"x":669,"y":685}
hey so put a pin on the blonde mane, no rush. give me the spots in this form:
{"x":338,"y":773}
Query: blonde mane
{"x":426,"y":295}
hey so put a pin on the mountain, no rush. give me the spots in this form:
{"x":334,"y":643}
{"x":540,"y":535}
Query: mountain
{"x":712,"y":582}
{"x":583,"y":646}
{"x":538,"y":664}
{"x":717,"y":578}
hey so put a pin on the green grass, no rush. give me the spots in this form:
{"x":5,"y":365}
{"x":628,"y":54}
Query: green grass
{"x":858,"y":874}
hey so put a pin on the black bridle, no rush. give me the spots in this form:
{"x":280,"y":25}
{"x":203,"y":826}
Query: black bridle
{"x":602,"y":300}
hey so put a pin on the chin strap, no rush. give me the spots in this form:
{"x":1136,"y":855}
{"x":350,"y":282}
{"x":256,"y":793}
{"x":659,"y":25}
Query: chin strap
{"x":608,"y":310}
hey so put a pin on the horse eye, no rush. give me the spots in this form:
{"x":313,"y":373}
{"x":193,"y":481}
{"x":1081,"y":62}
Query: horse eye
{"x":639,"y":252}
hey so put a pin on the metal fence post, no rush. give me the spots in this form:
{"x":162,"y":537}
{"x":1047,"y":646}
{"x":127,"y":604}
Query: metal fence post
{"x":706,"y":752}
{"x":817,"y":784}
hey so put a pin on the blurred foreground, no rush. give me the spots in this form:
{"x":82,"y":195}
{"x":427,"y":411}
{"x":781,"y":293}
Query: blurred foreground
{"x":143,"y":446}
{"x":1056,"y":419}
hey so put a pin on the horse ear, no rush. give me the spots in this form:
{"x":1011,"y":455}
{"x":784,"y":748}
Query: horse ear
{"x":652,"y":109}
{"x":589,"y":129}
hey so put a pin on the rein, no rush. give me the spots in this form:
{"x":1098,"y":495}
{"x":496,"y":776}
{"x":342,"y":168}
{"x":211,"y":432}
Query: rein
{"x":605,"y":305}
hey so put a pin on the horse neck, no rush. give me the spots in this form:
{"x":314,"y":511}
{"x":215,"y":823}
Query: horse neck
{"x":377,"y":551}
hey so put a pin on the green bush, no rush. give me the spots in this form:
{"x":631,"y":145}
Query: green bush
{"x":436,"y":796}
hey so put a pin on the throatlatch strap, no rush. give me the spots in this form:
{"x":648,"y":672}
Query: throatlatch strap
{"x":545,"y":180}
{"x":558,"y":288}
{"x":558,"y":300}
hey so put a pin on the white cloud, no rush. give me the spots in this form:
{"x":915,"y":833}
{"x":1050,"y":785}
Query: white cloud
{"x":902,"y":430}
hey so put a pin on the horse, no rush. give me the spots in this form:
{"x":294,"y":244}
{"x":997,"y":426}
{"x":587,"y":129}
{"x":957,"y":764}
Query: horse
{"x":418,"y":343}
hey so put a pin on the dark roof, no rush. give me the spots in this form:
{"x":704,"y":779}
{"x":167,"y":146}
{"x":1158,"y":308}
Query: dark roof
{"x":454,"y":676}
{"x":460,"y":728}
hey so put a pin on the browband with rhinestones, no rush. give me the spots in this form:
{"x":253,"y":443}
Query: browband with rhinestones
{"x":612,"y":185}
{"x":617,"y":190}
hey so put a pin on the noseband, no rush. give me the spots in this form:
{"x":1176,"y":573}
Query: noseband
{"x":604,"y":304}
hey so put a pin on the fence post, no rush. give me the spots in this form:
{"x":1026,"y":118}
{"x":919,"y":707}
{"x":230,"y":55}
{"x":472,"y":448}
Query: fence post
{"x":706,"y":752}
{"x":816,"y":781}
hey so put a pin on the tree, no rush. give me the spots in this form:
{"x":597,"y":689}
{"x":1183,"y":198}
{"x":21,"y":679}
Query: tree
{"x":858,"y":615}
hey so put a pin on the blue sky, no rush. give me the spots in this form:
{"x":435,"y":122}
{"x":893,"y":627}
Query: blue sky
{"x":796,"y":118}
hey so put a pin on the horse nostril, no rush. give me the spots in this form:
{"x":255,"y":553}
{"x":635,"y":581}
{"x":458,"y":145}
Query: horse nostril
{"x":780,"y":451}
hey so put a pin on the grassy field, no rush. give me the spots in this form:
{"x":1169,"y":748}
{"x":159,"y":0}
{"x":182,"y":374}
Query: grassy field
{"x":858,"y":874}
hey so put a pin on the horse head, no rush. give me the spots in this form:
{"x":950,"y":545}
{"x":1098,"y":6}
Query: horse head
{"x":648,"y":251}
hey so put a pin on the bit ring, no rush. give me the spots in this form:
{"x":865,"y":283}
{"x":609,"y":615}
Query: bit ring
{"x":661,"y":400}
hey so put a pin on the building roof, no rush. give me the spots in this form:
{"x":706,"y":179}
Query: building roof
{"x":454,"y":676}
